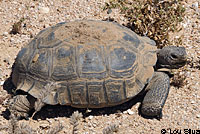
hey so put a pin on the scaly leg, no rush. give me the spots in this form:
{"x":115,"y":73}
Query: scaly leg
{"x":20,"y":105}
{"x":157,"y":92}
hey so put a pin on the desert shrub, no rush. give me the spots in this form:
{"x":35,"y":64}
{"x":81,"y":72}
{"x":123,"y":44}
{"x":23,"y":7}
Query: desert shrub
{"x":152,"y":18}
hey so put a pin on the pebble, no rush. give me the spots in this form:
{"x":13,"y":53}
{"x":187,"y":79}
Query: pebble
{"x":94,"y":125}
{"x":192,"y":102}
{"x":109,"y":11}
{"x":49,"y":120}
{"x":6,"y":60}
{"x":5,"y":33}
{"x":44,"y":124}
{"x":195,"y":5}
{"x":90,"y":117}
{"x":198,"y":17}
{"x":12,"y":40}
{"x":125,"y":112}
{"x":88,"y":111}
{"x":130,"y":111}
{"x":43,"y":9}
{"x":1,"y":83}
{"x":198,"y":115}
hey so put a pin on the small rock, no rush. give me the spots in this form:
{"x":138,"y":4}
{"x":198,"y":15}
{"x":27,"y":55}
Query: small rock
{"x":90,"y":117}
{"x":109,"y":11}
{"x":94,"y":125}
{"x":125,"y":112}
{"x":1,"y":83}
{"x":6,"y":60}
{"x":137,"y":105}
{"x":44,"y":125}
{"x":12,"y":40}
{"x":44,"y":9}
{"x":56,"y":119}
{"x":192,"y":102}
{"x":88,"y":111}
{"x":130,"y":111}
{"x":49,"y":120}
{"x":198,"y":115}
{"x":195,"y":5}
{"x":5,"y":33}
{"x":198,"y":17}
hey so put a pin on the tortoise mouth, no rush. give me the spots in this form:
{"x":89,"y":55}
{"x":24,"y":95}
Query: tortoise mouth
{"x":180,"y":64}
{"x":176,"y":65}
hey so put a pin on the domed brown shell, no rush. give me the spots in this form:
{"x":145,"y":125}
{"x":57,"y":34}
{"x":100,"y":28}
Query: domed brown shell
{"x":92,"y":63}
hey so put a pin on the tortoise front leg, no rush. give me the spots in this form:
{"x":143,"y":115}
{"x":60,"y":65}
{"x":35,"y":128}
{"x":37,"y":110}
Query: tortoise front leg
{"x":20,"y":105}
{"x":157,"y":92}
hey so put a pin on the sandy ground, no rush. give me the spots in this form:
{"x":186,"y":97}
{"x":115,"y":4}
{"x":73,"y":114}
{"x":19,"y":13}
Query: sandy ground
{"x":181,"y":110}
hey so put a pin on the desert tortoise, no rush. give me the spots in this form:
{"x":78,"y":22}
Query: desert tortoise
{"x":92,"y":64}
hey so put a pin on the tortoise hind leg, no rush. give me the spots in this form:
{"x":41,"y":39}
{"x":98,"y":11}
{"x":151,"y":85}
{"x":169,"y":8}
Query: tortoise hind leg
{"x":157,"y":92}
{"x":20,"y":105}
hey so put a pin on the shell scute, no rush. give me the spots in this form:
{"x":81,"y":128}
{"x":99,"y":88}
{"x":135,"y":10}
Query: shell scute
{"x":63,"y":63}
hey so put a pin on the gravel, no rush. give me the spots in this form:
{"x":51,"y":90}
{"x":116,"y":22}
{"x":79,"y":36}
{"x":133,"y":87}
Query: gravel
{"x":181,"y":110}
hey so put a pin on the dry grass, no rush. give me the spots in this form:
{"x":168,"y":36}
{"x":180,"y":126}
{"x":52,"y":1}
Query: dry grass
{"x":74,"y":120}
{"x":56,"y":129}
{"x":17,"y":26}
{"x":111,"y":129}
{"x":14,"y":127}
{"x":178,"y":80}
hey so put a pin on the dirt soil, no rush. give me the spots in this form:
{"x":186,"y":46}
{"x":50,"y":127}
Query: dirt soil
{"x":182,"y":108}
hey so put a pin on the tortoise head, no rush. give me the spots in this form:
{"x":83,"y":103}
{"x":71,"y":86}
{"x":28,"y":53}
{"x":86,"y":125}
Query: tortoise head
{"x":171,"y":57}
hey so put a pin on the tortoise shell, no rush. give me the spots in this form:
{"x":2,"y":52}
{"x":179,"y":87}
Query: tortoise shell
{"x":92,"y":63}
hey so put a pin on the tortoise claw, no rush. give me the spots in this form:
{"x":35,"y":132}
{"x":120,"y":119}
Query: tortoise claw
{"x":19,"y":106}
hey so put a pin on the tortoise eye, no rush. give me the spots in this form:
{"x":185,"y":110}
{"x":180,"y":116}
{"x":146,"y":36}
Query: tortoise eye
{"x":174,"y":56}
